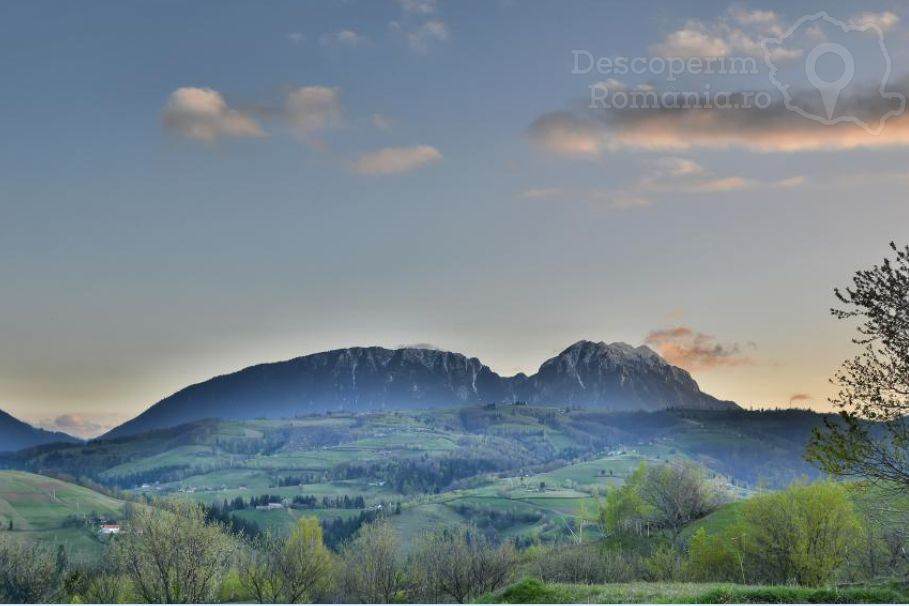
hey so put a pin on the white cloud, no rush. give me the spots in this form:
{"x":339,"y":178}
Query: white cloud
{"x":883,"y":21}
{"x":381,"y":122}
{"x":346,"y":37}
{"x":296,"y":37}
{"x":420,"y":37}
{"x":693,"y":40}
{"x":541,"y":193}
{"x":313,"y":109}
{"x":418,"y":7}
{"x":678,"y":167}
{"x":393,"y":160}
{"x":420,"y":25}
{"x":203,"y":114}
{"x":737,"y":32}
{"x":662,"y":177}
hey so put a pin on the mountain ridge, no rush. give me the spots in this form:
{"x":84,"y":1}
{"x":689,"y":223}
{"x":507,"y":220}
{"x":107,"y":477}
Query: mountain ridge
{"x":614,"y":376}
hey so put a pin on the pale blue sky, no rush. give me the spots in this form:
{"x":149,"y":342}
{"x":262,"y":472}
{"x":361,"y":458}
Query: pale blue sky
{"x":147,"y":246}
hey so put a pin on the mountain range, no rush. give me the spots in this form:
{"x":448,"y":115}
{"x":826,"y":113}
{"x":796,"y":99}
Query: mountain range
{"x":614,"y":377}
{"x":16,"y":435}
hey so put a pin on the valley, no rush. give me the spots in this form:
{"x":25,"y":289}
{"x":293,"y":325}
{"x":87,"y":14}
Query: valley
{"x":528,"y":473}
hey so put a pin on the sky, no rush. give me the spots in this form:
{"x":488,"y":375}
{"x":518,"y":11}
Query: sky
{"x":189,"y":188}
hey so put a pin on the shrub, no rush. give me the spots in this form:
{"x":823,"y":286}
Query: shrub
{"x":570,"y":563}
{"x":29,"y":573}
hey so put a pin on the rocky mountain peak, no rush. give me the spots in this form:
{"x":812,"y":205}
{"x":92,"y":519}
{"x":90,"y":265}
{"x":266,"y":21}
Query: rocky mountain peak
{"x":614,"y":376}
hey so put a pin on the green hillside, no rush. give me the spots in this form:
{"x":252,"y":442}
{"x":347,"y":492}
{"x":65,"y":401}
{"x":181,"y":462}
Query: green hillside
{"x":519,"y":471}
{"x":55,"y":512}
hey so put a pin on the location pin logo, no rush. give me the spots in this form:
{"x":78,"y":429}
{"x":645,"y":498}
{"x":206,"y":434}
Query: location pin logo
{"x":830,"y":89}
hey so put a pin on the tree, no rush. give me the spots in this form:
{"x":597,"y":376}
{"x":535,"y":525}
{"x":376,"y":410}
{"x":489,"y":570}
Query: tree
{"x":624,"y":512}
{"x":172,"y":554}
{"x":666,"y":496}
{"x":461,"y":564}
{"x":870,"y":438}
{"x":373,"y":569}
{"x":293,"y":570}
{"x":29,"y":573}
{"x":802,"y":534}
{"x":678,"y":494}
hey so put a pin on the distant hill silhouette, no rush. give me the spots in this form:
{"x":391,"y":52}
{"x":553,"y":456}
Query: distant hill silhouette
{"x":16,"y":435}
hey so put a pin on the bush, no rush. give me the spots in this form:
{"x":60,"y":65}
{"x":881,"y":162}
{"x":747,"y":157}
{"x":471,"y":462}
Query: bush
{"x":29,"y":573}
{"x":570,"y":563}
{"x":528,"y":591}
{"x":714,"y":558}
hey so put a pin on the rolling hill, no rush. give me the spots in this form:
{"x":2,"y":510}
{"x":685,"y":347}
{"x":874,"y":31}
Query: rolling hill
{"x":16,"y":435}
{"x":613,"y":376}
{"x":517,"y":470}
{"x":55,"y":512}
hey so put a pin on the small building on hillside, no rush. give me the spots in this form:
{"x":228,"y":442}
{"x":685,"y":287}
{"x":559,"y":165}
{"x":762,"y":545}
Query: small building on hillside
{"x":109,"y":529}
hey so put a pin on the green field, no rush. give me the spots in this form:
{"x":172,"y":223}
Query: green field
{"x":43,"y":509}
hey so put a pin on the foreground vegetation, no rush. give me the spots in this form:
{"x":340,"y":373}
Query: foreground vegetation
{"x":670,"y":533}
{"x":533,"y":591}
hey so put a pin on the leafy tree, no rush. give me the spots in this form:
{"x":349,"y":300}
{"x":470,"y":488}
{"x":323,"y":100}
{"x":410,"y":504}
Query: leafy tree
{"x":461,"y":564}
{"x":291,"y":570}
{"x":373,"y":565}
{"x":802,"y":534}
{"x":624,"y":511}
{"x":874,"y":385}
{"x":29,"y":573}
{"x":666,"y":496}
{"x":173,"y":555}
{"x":678,"y":493}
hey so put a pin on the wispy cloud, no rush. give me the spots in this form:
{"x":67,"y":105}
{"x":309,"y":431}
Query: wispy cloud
{"x":419,"y":7}
{"x":381,"y":122}
{"x":393,"y":160}
{"x":420,"y":24}
{"x":82,"y":425}
{"x":312,"y":110}
{"x":883,"y":21}
{"x":344,"y":38}
{"x":660,"y":177}
{"x":799,"y":397}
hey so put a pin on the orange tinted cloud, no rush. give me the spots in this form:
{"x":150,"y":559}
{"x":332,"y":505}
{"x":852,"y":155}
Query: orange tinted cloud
{"x":662,"y":125}
{"x":799,"y":397}
{"x":691,"y":350}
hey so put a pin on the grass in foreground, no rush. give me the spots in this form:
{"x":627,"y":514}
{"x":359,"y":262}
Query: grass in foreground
{"x":533,"y":591}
